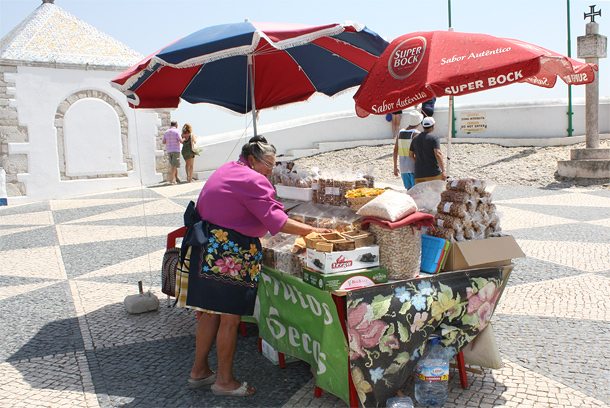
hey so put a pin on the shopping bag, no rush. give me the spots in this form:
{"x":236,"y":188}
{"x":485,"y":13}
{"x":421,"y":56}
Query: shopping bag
{"x":194,"y":146}
{"x":483,"y":350}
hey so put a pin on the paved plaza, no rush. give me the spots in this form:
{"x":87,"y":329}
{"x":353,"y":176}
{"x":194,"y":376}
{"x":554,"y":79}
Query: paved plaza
{"x":67,"y":341}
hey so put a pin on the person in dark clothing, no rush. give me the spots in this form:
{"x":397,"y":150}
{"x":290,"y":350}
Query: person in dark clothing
{"x":425,"y":151}
{"x":427,"y":107}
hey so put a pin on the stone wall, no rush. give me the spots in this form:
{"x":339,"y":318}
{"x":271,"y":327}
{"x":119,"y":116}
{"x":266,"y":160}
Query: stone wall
{"x":161,"y":163}
{"x":11,"y":132}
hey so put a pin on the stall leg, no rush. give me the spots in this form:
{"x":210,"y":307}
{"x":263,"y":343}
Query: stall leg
{"x":282,"y":359}
{"x":462,"y":369}
{"x":317,"y":392}
{"x":242,"y":326}
{"x":342,"y":312}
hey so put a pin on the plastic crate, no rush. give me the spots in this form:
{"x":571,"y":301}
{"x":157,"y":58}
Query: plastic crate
{"x":434,"y":252}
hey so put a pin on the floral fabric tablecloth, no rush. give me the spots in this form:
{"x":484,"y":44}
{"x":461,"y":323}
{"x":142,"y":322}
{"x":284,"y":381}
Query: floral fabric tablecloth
{"x":388,"y":325}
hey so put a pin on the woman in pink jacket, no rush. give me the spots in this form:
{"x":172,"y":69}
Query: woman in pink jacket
{"x":238,"y":206}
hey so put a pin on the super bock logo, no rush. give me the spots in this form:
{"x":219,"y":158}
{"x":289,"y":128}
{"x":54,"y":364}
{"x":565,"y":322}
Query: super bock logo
{"x":406,"y":57}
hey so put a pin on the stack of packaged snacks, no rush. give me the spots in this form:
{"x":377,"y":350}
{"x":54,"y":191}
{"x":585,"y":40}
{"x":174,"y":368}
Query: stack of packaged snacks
{"x":466,"y":212}
{"x":281,"y":252}
{"x":288,"y":174}
{"x":329,"y":186}
{"x":326,"y":216}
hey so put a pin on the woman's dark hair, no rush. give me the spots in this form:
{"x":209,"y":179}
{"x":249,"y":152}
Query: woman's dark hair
{"x":258,"y":147}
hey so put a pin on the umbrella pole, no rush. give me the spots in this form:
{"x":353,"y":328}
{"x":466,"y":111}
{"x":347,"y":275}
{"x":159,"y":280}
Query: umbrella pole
{"x":251,"y":80}
{"x":449,"y":134}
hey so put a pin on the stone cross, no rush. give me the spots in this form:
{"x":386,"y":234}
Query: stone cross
{"x":593,"y":13}
{"x":592,"y":47}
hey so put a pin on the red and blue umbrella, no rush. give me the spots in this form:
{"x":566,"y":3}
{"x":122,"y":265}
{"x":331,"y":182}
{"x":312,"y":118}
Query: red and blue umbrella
{"x":250,"y":66}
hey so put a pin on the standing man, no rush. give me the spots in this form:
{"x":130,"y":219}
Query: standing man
{"x":425,"y":151}
{"x":403,"y":164}
{"x":172,"y":140}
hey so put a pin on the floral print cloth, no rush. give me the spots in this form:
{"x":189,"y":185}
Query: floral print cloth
{"x":388,"y":325}
{"x":223,"y":273}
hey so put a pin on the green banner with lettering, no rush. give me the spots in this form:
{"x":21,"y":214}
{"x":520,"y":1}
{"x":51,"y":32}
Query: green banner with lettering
{"x":301,"y":320}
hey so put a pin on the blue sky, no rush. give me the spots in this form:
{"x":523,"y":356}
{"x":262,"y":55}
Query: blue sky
{"x":147,"y":25}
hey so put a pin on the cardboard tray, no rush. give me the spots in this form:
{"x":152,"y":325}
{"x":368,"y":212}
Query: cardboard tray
{"x":360,"y":238}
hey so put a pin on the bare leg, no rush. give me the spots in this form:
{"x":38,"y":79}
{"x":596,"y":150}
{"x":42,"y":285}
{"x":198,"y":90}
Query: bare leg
{"x":189,"y":169}
{"x":174,"y":174}
{"x":207,"y":328}
{"x":395,"y":124}
{"x":225,"y":347}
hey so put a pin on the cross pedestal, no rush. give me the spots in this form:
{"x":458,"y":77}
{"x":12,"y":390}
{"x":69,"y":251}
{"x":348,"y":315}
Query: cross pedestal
{"x":591,"y":162}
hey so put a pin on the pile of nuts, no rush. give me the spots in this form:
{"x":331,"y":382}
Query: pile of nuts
{"x":466,"y":212}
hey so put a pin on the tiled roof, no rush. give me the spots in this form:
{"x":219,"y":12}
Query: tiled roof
{"x":50,"y":34}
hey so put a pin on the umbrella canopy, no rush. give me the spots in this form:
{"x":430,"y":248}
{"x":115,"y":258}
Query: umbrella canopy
{"x":287,"y":63}
{"x":415,"y":67}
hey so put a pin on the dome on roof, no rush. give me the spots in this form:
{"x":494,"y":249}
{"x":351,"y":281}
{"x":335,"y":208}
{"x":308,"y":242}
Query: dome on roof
{"x":52,"y":35}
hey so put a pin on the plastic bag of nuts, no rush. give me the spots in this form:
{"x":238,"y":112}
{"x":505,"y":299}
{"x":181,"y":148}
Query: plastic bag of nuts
{"x":465,"y":185}
{"x":451,"y":208}
{"x":455,"y":196}
{"x":399,"y":250}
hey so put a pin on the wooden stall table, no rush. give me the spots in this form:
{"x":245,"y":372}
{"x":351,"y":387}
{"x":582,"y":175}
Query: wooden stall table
{"x":363,"y":344}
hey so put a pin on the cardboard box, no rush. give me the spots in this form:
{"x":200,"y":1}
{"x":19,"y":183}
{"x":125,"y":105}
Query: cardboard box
{"x":341,"y":261}
{"x":273,"y":355}
{"x":294,"y":193}
{"x":482,"y":252}
{"x":345,"y":280}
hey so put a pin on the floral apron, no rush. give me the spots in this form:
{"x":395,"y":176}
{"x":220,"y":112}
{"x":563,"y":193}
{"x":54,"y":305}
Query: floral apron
{"x":223,"y":272}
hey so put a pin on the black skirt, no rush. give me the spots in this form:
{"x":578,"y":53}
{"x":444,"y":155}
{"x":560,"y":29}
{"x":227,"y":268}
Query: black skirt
{"x":223,"y":273}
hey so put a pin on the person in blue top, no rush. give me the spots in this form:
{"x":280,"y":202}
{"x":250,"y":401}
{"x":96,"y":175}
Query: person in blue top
{"x":403,"y":164}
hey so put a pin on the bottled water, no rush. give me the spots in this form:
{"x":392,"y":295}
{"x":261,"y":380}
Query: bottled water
{"x":432,"y":374}
{"x":399,"y":402}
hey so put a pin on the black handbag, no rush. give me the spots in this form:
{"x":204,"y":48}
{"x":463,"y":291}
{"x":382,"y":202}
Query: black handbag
{"x":171,"y":257}
{"x":195,"y":235}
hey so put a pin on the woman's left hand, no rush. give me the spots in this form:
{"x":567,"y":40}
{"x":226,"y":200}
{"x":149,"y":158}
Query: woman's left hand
{"x":322,"y":230}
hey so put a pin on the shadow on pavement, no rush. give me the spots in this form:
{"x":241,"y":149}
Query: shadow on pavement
{"x":145,"y":370}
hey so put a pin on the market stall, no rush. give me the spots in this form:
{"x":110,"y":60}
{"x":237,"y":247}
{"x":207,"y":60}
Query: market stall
{"x":387,"y":325}
{"x":362,"y":326}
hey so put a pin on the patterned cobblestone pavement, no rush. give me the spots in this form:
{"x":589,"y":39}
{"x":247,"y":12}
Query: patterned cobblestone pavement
{"x":67,"y":341}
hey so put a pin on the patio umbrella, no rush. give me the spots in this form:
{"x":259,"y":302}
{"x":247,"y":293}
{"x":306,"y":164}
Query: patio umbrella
{"x":415,"y":67}
{"x":249,"y":66}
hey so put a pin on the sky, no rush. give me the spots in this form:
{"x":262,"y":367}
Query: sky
{"x":148,"y":25}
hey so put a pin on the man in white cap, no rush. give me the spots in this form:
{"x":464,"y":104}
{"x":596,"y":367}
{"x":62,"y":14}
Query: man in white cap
{"x":403,"y":164}
{"x":425,"y":151}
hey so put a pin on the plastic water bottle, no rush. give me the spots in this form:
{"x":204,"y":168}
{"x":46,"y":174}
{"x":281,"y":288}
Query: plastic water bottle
{"x":399,"y":402}
{"x":432,"y":374}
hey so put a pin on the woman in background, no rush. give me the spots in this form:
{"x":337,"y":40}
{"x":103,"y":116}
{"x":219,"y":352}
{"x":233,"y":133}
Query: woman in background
{"x":187,"y":150}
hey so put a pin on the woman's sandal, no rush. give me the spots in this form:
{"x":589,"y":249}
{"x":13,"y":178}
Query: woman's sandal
{"x":195,"y":383}
{"x":242,"y":391}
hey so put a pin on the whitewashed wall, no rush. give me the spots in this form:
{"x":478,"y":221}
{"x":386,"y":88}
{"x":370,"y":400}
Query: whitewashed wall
{"x":94,"y":151}
{"x":533,"y":122}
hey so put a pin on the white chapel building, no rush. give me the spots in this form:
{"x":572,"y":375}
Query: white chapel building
{"x":64,"y":131}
